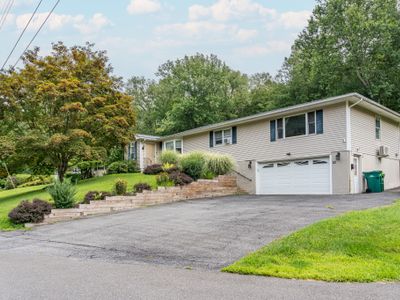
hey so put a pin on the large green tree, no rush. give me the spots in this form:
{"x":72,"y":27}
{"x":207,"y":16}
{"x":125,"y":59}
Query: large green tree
{"x":190,"y":92}
{"x":348,"y":46}
{"x":64,"y":106}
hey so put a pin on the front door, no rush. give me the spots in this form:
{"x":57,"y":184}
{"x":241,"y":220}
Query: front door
{"x":356,"y":175}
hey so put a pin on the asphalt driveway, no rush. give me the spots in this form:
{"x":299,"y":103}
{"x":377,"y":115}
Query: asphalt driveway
{"x":198,"y":234}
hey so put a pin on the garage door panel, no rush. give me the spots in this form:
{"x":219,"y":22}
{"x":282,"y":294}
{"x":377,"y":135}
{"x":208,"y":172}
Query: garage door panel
{"x":311,"y":176}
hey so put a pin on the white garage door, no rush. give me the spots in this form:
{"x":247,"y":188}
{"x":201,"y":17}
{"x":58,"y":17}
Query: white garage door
{"x":309,"y":176}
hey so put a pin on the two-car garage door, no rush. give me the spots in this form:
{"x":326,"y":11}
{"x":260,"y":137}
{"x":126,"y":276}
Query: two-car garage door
{"x":308,"y":176}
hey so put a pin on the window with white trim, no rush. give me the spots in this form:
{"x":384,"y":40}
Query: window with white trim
{"x":223,"y":136}
{"x":378,"y":127}
{"x":174,"y":145}
{"x":297,"y":125}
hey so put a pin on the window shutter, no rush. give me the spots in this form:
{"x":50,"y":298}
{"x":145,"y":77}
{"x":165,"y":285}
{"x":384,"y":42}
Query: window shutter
{"x":272,"y":126}
{"x":211,"y":139}
{"x":234,"y":135}
{"x":320,"y":122}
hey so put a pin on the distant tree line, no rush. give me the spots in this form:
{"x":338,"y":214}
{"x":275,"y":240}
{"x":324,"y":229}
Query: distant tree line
{"x":347,"y":46}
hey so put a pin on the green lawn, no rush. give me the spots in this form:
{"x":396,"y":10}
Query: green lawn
{"x":10,"y":198}
{"x":361,"y":246}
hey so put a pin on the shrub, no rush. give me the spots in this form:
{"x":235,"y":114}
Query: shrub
{"x":163,"y":179}
{"x":169,"y":157}
{"x":87,"y":168}
{"x":193,"y":164}
{"x":219,"y":164}
{"x":62,"y":193}
{"x":30,"y":212}
{"x":120,"y":186}
{"x":179,"y":178}
{"x":37,"y":180}
{"x":73,"y":177}
{"x":95,"y":195}
{"x":169,"y":168}
{"x":141,"y":186}
{"x":208,"y":175}
{"x":11,"y":183}
{"x":123,"y":166}
{"x":43,"y":206}
{"x":153,"y":169}
{"x":3,"y":183}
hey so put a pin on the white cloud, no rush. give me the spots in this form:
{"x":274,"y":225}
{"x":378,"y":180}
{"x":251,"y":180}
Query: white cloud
{"x":224,"y":10}
{"x":246,"y":34}
{"x":269,"y":48}
{"x":93,"y":25}
{"x":209,"y":30}
{"x":10,"y":19}
{"x":57,"y":21}
{"x":294,"y":19}
{"x":143,"y":6}
{"x":192,"y":28}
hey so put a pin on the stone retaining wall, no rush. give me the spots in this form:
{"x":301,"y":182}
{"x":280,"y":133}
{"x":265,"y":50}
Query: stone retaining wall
{"x":221,"y":186}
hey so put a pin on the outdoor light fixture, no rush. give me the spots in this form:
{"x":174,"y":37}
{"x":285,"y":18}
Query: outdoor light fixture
{"x":338,"y":156}
{"x":249,"y":164}
{"x":288,"y":154}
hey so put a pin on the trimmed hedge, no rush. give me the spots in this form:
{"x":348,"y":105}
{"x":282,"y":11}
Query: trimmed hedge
{"x":123,"y":166}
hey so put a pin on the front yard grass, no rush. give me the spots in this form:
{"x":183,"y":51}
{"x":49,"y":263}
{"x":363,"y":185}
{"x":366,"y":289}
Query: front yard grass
{"x":11,"y":198}
{"x":360,"y":246}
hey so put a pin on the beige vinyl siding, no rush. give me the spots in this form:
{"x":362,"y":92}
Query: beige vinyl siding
{"x":253,"y":140}
{"x":253,"y":144}
{"x":363,"y":133}
{"x":366,"y":145}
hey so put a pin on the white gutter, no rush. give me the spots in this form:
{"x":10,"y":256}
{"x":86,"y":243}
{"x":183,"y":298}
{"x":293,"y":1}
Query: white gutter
{"x":348,"y":123}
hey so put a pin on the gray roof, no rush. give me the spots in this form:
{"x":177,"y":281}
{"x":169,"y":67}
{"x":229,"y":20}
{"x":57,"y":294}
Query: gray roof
{"x":147,"y":137}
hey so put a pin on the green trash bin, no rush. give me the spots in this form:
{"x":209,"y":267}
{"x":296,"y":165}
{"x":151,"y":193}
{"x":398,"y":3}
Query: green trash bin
{"x":375,"y":181}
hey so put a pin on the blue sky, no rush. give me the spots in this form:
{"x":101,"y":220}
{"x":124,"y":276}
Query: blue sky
{"x":139,"y":35}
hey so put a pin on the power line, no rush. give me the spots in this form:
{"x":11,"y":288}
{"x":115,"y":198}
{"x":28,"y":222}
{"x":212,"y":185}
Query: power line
{"x":6,"y":12}
{"x":4,"y":9}
{"x":37,"y":32}
{"x":22,"y":33}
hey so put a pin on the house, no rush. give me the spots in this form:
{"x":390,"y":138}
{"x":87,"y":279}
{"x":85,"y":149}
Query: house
{"x":319,"y":147}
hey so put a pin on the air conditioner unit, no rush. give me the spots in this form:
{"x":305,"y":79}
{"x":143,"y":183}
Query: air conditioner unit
{"x":227,"y":141}
{"x":383,"y":151}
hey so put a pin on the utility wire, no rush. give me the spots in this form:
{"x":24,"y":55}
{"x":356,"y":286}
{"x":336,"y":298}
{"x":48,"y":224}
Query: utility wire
{"x":22,"y":33}
{"x":4,"y":9}
{"x":6,"y":12}
{"x":37,"y":32}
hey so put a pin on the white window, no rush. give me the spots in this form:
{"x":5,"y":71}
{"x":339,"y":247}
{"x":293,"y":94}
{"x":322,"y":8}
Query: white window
{"x":223,"y":136}
{"x":295,"y":125}
{"x":175,"y":145}
{"x":378,"y":127}
{"x":298,"y":125}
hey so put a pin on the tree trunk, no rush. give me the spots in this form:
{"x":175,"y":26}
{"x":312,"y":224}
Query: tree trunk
{"x":62,"y":169}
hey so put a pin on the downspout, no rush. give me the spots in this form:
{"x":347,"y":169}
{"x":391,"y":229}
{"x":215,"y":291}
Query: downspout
{"x":349,"y":137}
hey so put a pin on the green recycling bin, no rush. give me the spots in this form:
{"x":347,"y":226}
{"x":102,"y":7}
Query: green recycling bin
{"x":375,"y":181}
